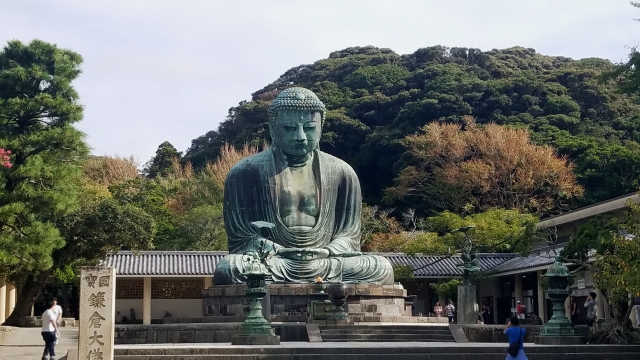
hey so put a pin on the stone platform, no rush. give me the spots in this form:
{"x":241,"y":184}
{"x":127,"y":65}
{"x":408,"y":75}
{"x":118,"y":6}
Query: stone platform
{"x":370,"y":351}
{"x":290,"y":303}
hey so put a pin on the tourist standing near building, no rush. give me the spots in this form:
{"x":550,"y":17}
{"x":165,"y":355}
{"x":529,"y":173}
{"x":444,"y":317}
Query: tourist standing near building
{"x":451,"y":310}
{"x":573,"y":309}
{"x":438,"y":309}
{"x":520,"y":309}
{"x":486,"y":313}
{"x":516,"y":336}
{"x":591,"y":304}
{"x":132,"y":316}
{"x":49,"y":331}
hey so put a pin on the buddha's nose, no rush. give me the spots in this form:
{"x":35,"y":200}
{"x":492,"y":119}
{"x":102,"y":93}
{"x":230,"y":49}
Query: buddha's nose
{"x":300,"y":135}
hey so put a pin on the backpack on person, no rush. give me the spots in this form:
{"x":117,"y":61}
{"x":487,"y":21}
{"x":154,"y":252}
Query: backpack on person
{"x":514,"y":348}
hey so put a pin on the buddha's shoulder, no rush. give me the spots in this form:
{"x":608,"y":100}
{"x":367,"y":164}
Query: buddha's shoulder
{"x":328,"y":159}
{"x":251,"y":163}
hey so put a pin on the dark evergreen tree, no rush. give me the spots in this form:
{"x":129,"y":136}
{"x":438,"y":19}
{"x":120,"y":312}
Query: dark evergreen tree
{"x":162,"y":163}
{"x":38,"y":107}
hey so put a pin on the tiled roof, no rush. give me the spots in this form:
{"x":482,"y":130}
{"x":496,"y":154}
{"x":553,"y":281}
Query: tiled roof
{"x":181,"y":263}
{"x":542,"y":257}
{"x":203,"y":263}
{"x":437,"y":266}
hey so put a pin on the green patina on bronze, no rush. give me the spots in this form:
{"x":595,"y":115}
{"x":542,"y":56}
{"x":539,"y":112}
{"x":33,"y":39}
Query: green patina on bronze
{"x":312,"y":198}
{"x":559,"y":324}
{"x":255,"y":275}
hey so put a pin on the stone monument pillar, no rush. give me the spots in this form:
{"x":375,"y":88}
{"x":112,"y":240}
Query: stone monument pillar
{"x":467,"y":307}
{"x":97,"y":313}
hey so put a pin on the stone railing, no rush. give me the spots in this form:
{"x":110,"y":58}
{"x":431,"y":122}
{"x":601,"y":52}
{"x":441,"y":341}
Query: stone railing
{"x":197,"y":333}
{"x":495,"y":333}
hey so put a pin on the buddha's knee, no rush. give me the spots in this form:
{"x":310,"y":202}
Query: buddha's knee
{"x":368,"y":268}
{"x":227,"y":271}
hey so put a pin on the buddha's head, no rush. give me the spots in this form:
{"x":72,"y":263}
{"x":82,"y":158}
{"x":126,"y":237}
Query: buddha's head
{"x":295,"y":121}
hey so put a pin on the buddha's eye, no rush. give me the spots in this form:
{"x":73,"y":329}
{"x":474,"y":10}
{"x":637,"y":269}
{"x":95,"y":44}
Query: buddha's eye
{"x":288,"y":127}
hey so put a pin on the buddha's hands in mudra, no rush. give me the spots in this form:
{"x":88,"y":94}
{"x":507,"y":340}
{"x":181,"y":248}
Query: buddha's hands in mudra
{"x":303,"y":254}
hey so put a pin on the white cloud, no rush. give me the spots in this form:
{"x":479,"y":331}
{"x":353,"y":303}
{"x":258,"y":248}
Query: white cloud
{"x":170,"y":70}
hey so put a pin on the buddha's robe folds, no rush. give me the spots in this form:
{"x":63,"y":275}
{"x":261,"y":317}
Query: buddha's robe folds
{"x":250,"y":195}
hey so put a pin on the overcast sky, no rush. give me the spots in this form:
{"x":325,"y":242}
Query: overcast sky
{"x":159,"y":71}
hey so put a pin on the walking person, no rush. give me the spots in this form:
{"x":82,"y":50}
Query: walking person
{"x":49,"y":332}
{"x":450,"y":309}
{"x":591,"y":304}
{"x":516,"y":336}
{"x":57,"y":310}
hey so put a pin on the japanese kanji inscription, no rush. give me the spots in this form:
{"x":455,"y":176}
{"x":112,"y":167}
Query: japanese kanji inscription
{"x":97,"y":313}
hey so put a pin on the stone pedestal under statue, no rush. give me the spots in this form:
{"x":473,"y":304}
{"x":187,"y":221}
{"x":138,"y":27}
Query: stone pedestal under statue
{"x":467,"y":308}
{"x":290,"y":303}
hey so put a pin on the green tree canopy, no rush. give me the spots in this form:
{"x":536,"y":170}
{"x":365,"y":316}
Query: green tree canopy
{"x":609,"y":247}
{"x":38,"y":107}
{"x":375,"y":98}
{"x":162,"y":163}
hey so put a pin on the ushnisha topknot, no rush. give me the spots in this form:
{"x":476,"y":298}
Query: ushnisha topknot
{"x":296,"y":98}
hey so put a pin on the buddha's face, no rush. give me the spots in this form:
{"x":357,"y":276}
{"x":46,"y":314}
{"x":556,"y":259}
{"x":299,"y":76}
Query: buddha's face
{"x":297,"y":132}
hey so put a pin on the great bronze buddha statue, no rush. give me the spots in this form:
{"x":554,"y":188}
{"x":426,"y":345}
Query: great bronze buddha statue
{"x":311,"y":197}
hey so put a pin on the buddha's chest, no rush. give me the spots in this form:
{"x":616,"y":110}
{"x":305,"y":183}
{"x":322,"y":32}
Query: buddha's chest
{"x":298,"y":196}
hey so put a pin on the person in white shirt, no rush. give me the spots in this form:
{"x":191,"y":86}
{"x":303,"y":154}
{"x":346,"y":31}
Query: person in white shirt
{"x":49,"y":331}
{"x":57,"y":309}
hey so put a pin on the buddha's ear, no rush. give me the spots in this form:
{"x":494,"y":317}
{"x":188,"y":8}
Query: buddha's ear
{"x":271,"y":125}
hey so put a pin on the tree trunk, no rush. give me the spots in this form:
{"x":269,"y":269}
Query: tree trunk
{"x":28,"y":294}
{"x":64,"y":299}
{"x":618,"y":327}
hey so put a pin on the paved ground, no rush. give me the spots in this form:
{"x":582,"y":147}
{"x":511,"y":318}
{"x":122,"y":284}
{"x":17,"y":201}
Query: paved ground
{"x":27,"y":343}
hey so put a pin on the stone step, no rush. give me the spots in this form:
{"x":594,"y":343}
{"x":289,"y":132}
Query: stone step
{"x":377,"y":348}
{"x":385,"y":331}
{"x":435,"y":356}
{"x":387,"y":338}
{"x":388,"y":356}
{"x":385,"y":327}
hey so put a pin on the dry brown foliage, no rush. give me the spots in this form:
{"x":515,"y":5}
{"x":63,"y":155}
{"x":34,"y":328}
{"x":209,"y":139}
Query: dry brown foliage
{"x":188,"y":189}
{"x":181,"y":199}
{"x":110,"y":170}
{"x":485,"y":167}
{"x":229,"y":155}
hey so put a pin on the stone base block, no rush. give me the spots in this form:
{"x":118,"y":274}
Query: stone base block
{"x":255,"y":340}
{"x":467,"y":308}
{"x":561,"y":340}
{"x":291,"y":302}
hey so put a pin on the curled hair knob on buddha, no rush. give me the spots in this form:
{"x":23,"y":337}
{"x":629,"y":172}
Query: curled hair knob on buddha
{"x":296,"y":98}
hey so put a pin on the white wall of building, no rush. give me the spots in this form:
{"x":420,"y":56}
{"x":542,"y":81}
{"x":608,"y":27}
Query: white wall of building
{"x":177,"y":307}
{"x":123,"y":305}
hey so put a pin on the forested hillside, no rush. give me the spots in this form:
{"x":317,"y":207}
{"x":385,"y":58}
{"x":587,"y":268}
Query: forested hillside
{"x":376,"y":97}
